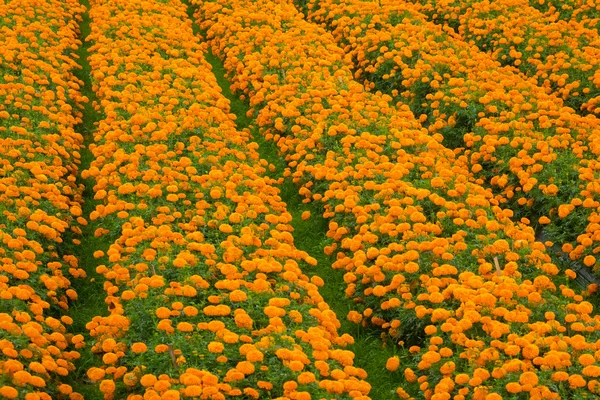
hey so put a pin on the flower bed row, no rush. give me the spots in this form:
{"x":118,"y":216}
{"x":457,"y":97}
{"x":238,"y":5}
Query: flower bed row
{"x":584,"y":11}
{"x":540,"y":159}
{"x":563,"y":56}
{"x":474,"y":300}
{"x":205,"y":288}
{"x":40,"y":202}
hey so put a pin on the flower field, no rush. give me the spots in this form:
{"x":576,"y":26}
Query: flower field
{"x":308,"y":199}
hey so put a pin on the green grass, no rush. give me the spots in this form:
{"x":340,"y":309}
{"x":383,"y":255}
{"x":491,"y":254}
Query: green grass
{"x":90,"y":290}
{"x":309,"y":236}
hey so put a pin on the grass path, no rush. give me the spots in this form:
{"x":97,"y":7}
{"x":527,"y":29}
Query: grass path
{"x":90,"y":290}
{"x":309,"y":235}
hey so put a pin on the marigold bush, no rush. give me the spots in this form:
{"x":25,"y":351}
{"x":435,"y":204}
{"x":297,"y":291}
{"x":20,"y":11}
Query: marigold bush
{"x":205,"y":288}
{"x":40,"y":202}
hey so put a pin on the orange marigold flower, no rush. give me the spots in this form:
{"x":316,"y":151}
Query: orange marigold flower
{"x":593,"y":371}
{"x":148,"y":380}
{"x":170,"y":395}
{"x":161,"y":348}
{"x":95,"y":374}
{"x":462,"y":379}
{"x":296,"y":365}
{"x":245,"y":367}
{"x":9,"y":392}
{"x":185,"y":327}
{"x":110,"y":358}
{"x":163,"y":312}
{"x":107,"y":386}
{"x":216,"y":347}
{"x":589,"y":261}
{"x":255,"y":356}
{"x":139,"y":347}
{"x":576,"y":381}
{"x":528,"y":378}
{"x":392,"y":363}
{"x":560,"y":376}
{"x":430,"y":329}
{"x":306,"y":378}
{"x":513,"y":387}
{"x":238,"y":296}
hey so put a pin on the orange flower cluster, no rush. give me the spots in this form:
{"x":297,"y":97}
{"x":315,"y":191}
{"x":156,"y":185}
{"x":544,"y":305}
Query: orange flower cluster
{"x":584,"y":11}
{"x":40,"y":202}
{"x":563,"y":56}
{"x":538,"y":157}
{"x":430,"y":258}
{"x":205,"y":288}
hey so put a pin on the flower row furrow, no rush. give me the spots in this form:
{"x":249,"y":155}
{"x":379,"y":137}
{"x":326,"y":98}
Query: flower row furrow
{"x":40,"y":202}
{"x":563,"y":56}
{"x":473,"y":299}
{"x":205,"y":288}
{"x":539,"y":158}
